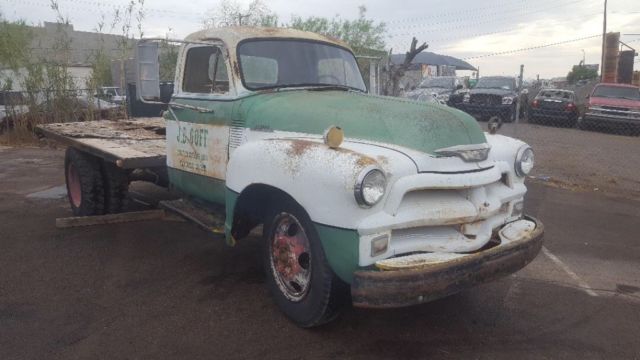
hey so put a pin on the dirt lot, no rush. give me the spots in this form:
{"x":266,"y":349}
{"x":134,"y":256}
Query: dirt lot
{"x":582,"y":160}
{"x":166,"y":290}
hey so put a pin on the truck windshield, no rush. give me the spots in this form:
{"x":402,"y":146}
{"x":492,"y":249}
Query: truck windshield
{"x":267,"y":64}
{"x":618,"y":92}
{"x":442,"y":82}
{"x":495,"y":83}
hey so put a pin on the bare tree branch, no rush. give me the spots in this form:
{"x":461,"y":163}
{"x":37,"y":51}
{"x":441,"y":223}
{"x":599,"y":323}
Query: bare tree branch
{"x":396,"y":72}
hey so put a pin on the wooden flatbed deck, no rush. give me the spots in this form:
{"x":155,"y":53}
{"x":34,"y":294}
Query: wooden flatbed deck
{"x":130,"y":144}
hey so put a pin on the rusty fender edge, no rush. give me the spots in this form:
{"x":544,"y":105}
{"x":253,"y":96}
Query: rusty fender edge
{"x":397,"y":288}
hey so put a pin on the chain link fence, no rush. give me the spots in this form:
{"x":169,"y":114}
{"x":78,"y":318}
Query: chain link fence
{"x":586,"y":136}
{"x":21,"y":111}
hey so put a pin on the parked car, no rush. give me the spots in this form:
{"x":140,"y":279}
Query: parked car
{"x":447,"y":90}
{"x":554,"y":106}
{"x":12,"y":104}
{"x":111,"y":94}
{"x":74,"y":106}
{"x":613,"y":105}
{"x":493,"y":96}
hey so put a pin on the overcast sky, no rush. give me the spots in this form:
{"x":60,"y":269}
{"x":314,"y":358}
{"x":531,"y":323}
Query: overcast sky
{"x":467,"y":29}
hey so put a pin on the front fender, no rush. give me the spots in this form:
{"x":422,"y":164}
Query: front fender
{"x":319,"y":178}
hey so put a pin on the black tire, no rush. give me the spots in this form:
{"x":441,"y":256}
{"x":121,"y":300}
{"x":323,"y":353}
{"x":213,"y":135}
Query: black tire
{"x":84,"y":183}
{"x":325,"y":292}
{"x":582,"y":125}
{"x":116,"y":188}
{"x":532,"y":119}
{"x":512,"y":114}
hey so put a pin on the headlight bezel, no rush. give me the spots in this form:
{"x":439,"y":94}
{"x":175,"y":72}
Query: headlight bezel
{"x":520,"y":171}
{"x":359,"y":187}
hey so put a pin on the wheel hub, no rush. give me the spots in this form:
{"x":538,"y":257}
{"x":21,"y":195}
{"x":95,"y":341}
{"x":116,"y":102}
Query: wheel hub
{"x":290,"y":257}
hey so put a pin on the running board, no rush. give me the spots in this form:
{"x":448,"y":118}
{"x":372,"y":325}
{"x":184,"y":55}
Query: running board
{"x":210,"y":219}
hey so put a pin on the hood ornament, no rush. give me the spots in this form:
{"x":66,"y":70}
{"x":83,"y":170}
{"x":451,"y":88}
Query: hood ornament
{"x":468,"y":153}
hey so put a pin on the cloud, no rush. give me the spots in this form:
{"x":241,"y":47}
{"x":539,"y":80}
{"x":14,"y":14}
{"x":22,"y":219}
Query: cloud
{"x":464,"y":28}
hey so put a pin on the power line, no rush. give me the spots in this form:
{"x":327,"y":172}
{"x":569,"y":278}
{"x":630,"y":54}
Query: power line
{"x":531,"y":47}
{"x":466,"y":20}
{"x":449,"y":13}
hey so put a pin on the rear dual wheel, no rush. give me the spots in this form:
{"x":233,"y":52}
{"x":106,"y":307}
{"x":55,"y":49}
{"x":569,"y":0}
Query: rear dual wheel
{"x":85,"y":185}
{"x":94,"y":187}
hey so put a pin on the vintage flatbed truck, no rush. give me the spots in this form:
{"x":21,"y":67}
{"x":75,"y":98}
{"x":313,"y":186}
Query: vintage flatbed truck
{"x":393,"y":201}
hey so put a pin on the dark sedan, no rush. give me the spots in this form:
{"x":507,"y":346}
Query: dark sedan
{"x":554,"y":106}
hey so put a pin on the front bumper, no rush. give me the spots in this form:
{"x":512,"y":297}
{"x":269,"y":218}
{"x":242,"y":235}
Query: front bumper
{"x":430,"y":281}
{"x":553,"y":114}
{"x":503,"y":111}
{"x":610,"y":119}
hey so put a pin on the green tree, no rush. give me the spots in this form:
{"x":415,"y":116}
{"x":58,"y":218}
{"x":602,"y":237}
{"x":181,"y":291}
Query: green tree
{"x":232,"y":13}
{"x":361,"y":34}
{"x":168,"y":58}
{"x":15,"y":40}
{"x":580,"y":72}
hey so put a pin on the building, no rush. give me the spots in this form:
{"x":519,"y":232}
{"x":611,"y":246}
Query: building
{"x":77,"y":49}
{"x":428,"y":64}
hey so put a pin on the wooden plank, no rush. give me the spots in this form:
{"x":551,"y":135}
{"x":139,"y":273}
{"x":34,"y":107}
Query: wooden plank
{"x":130,"y":144}
{"x":77,"y":221}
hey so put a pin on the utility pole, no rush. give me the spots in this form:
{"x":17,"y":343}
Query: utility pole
{"x":604,"y":34}
{"x":584,"y":55}
{"x":520,"y":80}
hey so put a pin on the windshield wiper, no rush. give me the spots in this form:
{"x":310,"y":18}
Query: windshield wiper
{"x":332,"y":87}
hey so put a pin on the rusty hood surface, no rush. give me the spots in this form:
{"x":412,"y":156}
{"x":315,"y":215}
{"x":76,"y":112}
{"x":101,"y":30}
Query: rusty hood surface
{"x":410,"y":124}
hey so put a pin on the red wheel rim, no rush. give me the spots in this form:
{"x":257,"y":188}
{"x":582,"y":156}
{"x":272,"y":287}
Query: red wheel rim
{"x":73,"y":184}
{"x":290,"y":257}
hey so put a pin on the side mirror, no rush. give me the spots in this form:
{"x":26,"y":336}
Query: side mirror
{"x":147,"y":71}
{"x":459,"y":87}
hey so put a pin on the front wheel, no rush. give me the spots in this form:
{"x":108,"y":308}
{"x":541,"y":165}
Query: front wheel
{"x":298,"y":275}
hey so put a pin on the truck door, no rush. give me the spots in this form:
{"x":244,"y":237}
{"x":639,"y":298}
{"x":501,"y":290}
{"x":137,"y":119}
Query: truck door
{"x":198,"y":124}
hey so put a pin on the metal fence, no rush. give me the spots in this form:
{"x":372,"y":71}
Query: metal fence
{"x":21,"y":111}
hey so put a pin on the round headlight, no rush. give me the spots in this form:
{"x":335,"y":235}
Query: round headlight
{"x":370,"y":187}
{"x":524,"y":161}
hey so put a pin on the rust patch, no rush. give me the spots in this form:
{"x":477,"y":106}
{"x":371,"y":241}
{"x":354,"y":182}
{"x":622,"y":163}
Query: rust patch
{"x":383,"y":159}
{"x":299,"y":147}
{"x":364,"y":161}
{"x":236,"y":68}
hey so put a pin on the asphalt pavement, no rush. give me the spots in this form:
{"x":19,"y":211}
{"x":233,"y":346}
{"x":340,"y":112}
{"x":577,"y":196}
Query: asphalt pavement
{"x":166,"y":290}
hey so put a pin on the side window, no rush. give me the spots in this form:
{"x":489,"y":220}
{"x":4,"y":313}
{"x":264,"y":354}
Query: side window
{"x":205,"y":71}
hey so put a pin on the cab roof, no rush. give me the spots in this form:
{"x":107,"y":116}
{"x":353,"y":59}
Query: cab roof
{"x":232,"y":35}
